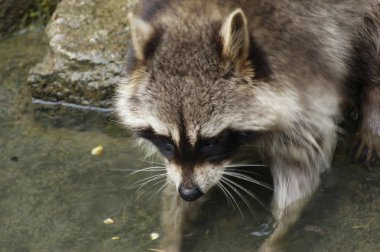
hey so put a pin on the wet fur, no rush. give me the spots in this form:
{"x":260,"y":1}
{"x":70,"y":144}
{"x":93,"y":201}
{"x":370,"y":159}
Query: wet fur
{"x":286,"y":78}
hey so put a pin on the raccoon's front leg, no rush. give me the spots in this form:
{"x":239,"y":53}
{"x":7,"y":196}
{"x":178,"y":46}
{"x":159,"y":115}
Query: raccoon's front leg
{"x":368,"y":136}
{"x":176,"y":217}
{"x":293,"y":186}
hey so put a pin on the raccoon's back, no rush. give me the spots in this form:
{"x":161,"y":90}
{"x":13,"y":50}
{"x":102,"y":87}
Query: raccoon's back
{"x":305,"y":38}
{"x":299,"y":37}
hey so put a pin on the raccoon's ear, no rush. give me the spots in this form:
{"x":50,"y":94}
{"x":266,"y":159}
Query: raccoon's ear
{"x":141,"y":34}
{"x":235,"y":36}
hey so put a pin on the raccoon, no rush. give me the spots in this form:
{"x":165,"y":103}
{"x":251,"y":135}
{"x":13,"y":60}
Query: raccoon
{"x":207,"y":77}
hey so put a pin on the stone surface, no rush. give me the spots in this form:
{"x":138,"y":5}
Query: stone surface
{"x":87,"y":43}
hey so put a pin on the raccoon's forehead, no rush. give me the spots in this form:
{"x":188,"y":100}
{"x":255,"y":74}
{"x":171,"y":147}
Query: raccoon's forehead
{"x":173,"y":110}
{"x":188,"y":130}
{"x":187,"y":58}
{"x":178,"y":111}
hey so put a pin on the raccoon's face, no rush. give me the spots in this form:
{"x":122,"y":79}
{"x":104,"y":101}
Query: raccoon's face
{"x":192,"y":95}
{"x":196,"y":167}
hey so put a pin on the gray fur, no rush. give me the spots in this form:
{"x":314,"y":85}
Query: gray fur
{"x":292,"y":88}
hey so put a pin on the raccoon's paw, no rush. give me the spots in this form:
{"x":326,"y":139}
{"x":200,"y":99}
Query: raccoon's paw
{"x":266,"y":229}
{"x":366,"y":147}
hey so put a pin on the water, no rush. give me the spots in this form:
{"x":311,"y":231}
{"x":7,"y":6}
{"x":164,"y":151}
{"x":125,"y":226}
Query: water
{"x":54,"y":195}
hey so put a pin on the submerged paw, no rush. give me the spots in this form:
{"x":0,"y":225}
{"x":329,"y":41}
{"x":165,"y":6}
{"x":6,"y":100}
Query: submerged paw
{"x":265,"y":229}
{"x":366,"y":148}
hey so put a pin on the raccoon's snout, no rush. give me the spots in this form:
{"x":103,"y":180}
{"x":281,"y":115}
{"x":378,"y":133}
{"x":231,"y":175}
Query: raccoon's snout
{"x":189,"y":192}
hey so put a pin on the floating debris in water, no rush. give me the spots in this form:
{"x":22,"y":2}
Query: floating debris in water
{"x":154,"y":236}
{"x":156,"y":250}
{"x":115,"y":238}
{"x":97,"y":151}
{"x":365,"y":226}
{"x":315,"y":229}
{"x":108,"y":221}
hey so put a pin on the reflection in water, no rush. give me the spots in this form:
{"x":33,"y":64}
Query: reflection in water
{"x":54,"y":195}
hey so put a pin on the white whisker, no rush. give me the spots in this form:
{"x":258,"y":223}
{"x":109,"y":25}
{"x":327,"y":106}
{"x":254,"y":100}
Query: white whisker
{"x":245,"y":165}
{"x":147,"y":169}
{"x":242,"y":171}
{"x":149,"y":187}
{"x":242,"y":197}
{"x":246,"y":191}
{"x":122,"y":170}
{"x":223,"y":189}
{"x":232,"y":197}
{"x":247,"y":178}
{"x":160,"y":189}
{"x":134,"y":171}
{"x":155,"y":183}
{"x":151,"y":162}
{"x":145,"y":181}
{"x":149,"y":181}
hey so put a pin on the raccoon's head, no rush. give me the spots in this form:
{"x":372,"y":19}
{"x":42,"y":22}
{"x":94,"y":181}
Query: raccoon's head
{"x":193,"y":95}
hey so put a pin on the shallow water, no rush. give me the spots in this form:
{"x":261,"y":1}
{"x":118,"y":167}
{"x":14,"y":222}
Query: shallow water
{"x":54,"y":195}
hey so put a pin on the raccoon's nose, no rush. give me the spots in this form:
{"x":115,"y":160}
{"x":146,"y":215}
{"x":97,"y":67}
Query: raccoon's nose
{"x":189,"y":192}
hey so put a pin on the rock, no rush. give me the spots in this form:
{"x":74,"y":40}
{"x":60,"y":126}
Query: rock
{"x":11,"y":14}
{"x":87,"y":44}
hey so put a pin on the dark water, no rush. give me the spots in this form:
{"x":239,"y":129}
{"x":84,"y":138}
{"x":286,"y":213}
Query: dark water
{"x":54,"y":195}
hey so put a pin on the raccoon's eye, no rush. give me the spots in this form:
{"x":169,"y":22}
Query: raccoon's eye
{"x":163,"y":143}
{"x":210,"y":143}
{"x":222,"y":146}
{"x":166,"y":147}
{"x":213,"y":148}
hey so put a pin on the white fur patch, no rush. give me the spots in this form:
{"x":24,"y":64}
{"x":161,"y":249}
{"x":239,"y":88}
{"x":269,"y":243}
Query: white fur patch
{"x":174,"y":174}
{"x":141,"y":117}
{"x":207,"y":176}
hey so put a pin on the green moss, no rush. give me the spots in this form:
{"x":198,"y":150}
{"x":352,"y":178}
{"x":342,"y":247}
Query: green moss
{"x":40,"y":12}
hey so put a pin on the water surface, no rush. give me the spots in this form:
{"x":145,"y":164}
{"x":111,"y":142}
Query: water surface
{"x":54,"y":195}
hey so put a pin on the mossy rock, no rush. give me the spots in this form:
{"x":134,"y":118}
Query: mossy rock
{"x":87,"y":45}
{"x":21,"y":13}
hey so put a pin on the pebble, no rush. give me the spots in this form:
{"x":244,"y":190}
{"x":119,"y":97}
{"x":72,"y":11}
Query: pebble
{"x":108,"y":221}
{"x":97,"y":151}
{"x":154,"y":236}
